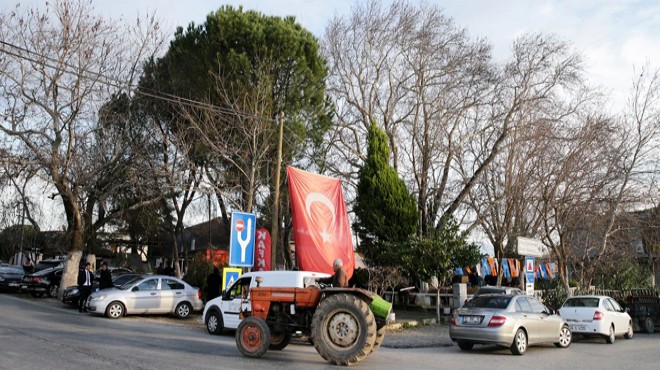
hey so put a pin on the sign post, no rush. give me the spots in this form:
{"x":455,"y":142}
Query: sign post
{"x":241,"y":239}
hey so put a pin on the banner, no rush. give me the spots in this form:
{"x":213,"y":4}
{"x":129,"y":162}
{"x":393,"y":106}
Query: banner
{"x":262,"y":253}
{"x":320,"y":222}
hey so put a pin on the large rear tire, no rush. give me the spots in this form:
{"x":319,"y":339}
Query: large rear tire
{"x":253,"y":337}
{"x":279,"y":341}
{"x":380,"y":336}
{"x":343,"y":329}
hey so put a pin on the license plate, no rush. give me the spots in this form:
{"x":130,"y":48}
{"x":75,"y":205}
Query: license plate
{"x":578,"y":327}
{"x":471,"y":320}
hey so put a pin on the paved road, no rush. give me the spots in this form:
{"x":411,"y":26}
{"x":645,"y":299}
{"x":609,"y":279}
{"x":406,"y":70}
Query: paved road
{"x":43,"y":334}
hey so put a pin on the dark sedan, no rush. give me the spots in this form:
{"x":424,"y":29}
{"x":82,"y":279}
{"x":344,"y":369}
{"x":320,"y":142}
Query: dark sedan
{"x":10,"y":278}
{"x":43,"y":282}
{"x":72,"y":294}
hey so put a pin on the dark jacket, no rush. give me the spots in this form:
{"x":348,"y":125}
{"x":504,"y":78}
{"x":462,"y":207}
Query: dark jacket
{"x":105,"y":280}
{"x":213,"y":282}
{"x":81,"y":278}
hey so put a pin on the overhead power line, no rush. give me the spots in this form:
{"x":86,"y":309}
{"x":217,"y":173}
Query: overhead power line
{"x":46,"y":61}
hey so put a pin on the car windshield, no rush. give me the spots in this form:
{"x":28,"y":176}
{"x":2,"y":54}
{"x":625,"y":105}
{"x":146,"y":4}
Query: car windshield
{"x":130,"y":283}
{"x":491,"y":291}
{"x":497,"y":302}
{"x":10,"y":270}
{"x":582,"y":302}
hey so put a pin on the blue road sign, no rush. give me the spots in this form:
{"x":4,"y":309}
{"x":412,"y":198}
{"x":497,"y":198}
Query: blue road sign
{"x":241,"y":239}
{"x":529,"y":269}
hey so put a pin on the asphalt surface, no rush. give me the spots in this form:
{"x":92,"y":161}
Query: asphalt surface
{"x":44,"y":334}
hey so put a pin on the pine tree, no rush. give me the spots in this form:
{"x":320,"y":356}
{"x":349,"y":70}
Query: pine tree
{"x":385,"y":210}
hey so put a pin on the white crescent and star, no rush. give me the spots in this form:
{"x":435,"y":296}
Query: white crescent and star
{"x":320,"y":198}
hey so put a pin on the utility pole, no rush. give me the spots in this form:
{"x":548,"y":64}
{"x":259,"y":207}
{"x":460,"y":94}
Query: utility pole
{"x":275,"y":226}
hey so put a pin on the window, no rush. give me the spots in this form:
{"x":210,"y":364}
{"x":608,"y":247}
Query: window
{"x":524,"y":304}
{"x":151,"y":284}
{"x":497,"y":302}
{"x":537,"y":307}
{"x":581,"y":302}
{"x":616,"y":305}
{"x":518,"y":306}
{"x":240,"y":289}
{"x":170,"y":284}
{"x":608,"y":305}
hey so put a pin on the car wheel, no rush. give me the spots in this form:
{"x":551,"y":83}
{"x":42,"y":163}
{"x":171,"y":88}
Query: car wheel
{"x":465,"y":346}
{"x":629,"y":333}
{"x":611,"y":337}
{"x":183,"y":310}
{"x":214,"y":324}
{"x":649,"y":326}
{"x":114,"y":310}
{"x":565,"y":337}
{"x":519,"y":345}
{"x":52,"y":290}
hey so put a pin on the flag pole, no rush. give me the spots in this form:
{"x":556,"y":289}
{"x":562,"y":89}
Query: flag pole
{"x":275,"y":224}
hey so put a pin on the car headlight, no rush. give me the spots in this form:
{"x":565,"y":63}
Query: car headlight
{"x":100,"y":297}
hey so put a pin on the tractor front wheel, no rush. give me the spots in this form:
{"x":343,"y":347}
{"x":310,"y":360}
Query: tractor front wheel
{"x":343,"y":329}
{"x":253,"y":337}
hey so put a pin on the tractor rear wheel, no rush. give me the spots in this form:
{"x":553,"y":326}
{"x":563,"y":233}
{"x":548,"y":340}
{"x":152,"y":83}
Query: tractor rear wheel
{"x":343,"y":329}
{"x":253,"y":337}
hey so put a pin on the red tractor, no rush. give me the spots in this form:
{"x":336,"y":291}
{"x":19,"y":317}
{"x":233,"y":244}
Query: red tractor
{"x":345,"y":324}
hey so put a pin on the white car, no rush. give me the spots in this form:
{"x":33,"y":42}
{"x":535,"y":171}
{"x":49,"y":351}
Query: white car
{"x":597,"y":315}
{"x":147,"y":294}
{"x":222,"y":312}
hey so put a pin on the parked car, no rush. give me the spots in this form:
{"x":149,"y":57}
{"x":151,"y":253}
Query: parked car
{"x":498,"y":290}
{"x":49,"y":263}
{"x":223,"y":312}
{"x":72,"y":294}
{"x":597,"y":315}
{"x":45,"y":281}
{"x":10,"y":278}
{"x":151,"y":294}
{"x":514,"y":321}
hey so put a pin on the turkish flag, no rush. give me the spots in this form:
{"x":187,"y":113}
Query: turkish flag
{"x":320,"y":222}
{"x":262,"y":251}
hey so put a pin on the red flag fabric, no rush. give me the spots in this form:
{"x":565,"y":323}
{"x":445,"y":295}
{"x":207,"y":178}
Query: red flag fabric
{"x":262,"y":251}
{"x":320,"y":222}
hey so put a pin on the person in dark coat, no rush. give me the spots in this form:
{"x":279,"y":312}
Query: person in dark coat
{"x":160,"y":269}
{"x":213,"y":283}
{"x":85,"y":280}
{"x":105,"y":280}
{"x":168,"y":270}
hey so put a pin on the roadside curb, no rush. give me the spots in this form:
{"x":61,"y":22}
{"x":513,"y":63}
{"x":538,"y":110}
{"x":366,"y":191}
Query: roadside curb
{"x":400,"y":324}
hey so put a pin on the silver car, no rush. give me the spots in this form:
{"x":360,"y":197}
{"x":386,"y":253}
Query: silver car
{"x":146,"y":295}
{"x":514,"y":321}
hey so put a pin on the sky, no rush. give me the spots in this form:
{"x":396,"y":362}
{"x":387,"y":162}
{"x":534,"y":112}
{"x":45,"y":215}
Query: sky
{"x":613,"y":36}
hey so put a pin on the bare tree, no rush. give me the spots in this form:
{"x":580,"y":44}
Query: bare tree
{"x":57,"y":66}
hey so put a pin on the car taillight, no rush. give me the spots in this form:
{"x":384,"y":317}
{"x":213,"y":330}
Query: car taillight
{"x":452,"y":320}
{"x":199,"y":293}
{"x":497,"y":321}
{"x":597,"y":315}
{"x":36,"y":280}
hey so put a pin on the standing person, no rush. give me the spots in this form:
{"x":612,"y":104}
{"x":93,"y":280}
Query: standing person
{"x":213,"y":282}
{"x":168,"y":270}
{"x":28,"y":265}
{"x":85,"y":280}
{"x":105,"y":280}
{"x":159,"y":270}
{"x":339,"y":279}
